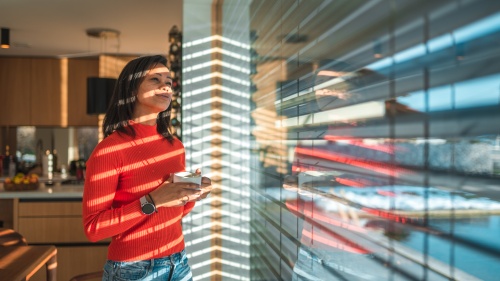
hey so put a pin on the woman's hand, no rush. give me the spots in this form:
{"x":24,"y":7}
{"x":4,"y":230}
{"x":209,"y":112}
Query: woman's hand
{"x":206,"y":186}
{"x":170,"y":194}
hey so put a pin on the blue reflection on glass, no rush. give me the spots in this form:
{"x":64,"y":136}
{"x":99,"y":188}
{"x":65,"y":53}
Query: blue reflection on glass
{"x":466,"y":258}
{"x":478,"y":92}
{"x":462,"y":35}
{"x":471,"y":93}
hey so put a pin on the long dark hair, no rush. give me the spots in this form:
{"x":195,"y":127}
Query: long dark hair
{"x":123,"y":100}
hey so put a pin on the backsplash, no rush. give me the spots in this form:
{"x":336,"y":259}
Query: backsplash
{"x":68,"y":144}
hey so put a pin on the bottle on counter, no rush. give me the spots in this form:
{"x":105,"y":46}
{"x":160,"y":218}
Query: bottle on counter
{"x":12,"y":167}
{"x":46,"y":163}
{"x":54,"y":161}
{"x":64,"y":171}
{"x":79,"y":171}
{"x":6,"y":161}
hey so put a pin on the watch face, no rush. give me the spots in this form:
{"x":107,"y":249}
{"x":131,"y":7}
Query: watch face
{"x":148,"y":209}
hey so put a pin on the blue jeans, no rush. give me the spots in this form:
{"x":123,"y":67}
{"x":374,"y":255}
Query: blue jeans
{"x":171,"y":268}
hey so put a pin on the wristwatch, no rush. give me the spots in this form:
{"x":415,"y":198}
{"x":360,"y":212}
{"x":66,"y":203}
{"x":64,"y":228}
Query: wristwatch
{"x":147,"y":207}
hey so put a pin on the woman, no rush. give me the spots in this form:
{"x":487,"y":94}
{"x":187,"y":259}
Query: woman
{"x":129,"y":194}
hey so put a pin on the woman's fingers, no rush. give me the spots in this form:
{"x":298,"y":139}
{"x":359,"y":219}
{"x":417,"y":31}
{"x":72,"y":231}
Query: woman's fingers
{"x":206,"y":186}
{"x":188,"y":185}
{"x":184,"y":200}
{"x":188,"y":195}
{"x":186,"y":191}
{"x":176,"y":194}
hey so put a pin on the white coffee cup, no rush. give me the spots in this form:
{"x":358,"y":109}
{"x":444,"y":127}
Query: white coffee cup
{"x":187,"y":177}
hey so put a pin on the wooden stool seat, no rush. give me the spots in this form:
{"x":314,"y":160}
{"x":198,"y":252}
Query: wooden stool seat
{"x":9,"y":237}
{"x":18,"y":261}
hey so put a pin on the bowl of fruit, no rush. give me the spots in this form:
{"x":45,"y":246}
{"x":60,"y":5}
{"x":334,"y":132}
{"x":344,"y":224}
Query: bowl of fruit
{"x":21,"y":182}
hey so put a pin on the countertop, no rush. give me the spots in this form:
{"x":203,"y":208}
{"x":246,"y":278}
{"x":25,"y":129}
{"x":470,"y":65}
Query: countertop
{"x":45,"y":192}
{"x":55,"y":187}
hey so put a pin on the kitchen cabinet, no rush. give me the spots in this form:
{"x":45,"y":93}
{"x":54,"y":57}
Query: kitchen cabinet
{"x":46,"y":93}
{"x":111,"y":66}
{"x":51,"y":91}
{"x":31,"y":92}
{"x":78,"y":71}
{"x":37,"y":220}
{"x":15,"y":91}
{"x":57,"y":221}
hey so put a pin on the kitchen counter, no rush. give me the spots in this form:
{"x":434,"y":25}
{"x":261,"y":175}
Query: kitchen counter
{"x":52,"y":215}
{"x":45,"y":192}
{"x":55,"y":187}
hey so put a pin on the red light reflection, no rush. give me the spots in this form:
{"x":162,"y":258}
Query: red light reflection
{"x":359,"y":182}
{"x":371,"y":165}
{"x":389,"y":149}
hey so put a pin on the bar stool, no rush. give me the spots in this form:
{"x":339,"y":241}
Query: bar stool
{"x":9,"y":237}
{"x":20,"y":261}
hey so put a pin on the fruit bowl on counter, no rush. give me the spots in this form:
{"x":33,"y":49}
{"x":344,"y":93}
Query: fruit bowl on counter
{"x":21,"y":182}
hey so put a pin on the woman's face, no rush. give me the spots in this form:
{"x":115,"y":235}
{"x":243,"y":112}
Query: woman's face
{"x":155,"y":92}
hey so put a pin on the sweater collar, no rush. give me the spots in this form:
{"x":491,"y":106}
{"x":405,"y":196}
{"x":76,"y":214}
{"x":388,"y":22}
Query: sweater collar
{"x":143,"y":129}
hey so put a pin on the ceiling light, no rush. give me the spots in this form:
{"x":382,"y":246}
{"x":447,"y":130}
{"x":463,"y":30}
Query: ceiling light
{"x":5,"y":38}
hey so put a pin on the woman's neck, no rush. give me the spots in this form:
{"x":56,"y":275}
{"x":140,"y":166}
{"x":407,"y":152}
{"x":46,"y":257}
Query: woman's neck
{"x":149,"y":119}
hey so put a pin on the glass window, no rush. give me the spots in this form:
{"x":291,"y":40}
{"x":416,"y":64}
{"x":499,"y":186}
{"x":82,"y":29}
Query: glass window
{"x":377,"y":150}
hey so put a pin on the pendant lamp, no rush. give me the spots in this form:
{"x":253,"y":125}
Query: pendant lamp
{"x":5,"y":38}
{"x":100,"y":89}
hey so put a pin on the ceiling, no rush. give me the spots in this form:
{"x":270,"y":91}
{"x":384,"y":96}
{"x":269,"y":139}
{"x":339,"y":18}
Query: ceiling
{"x":57,"y":28}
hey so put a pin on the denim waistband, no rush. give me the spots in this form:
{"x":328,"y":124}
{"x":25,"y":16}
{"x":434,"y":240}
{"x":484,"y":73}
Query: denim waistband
{"x":173,"y":259}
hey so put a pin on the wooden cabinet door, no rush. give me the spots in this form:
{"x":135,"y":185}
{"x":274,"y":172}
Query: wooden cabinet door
{"x":78,"y":71}
{"x":15,"y":87}
{"x":46,"y":93}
